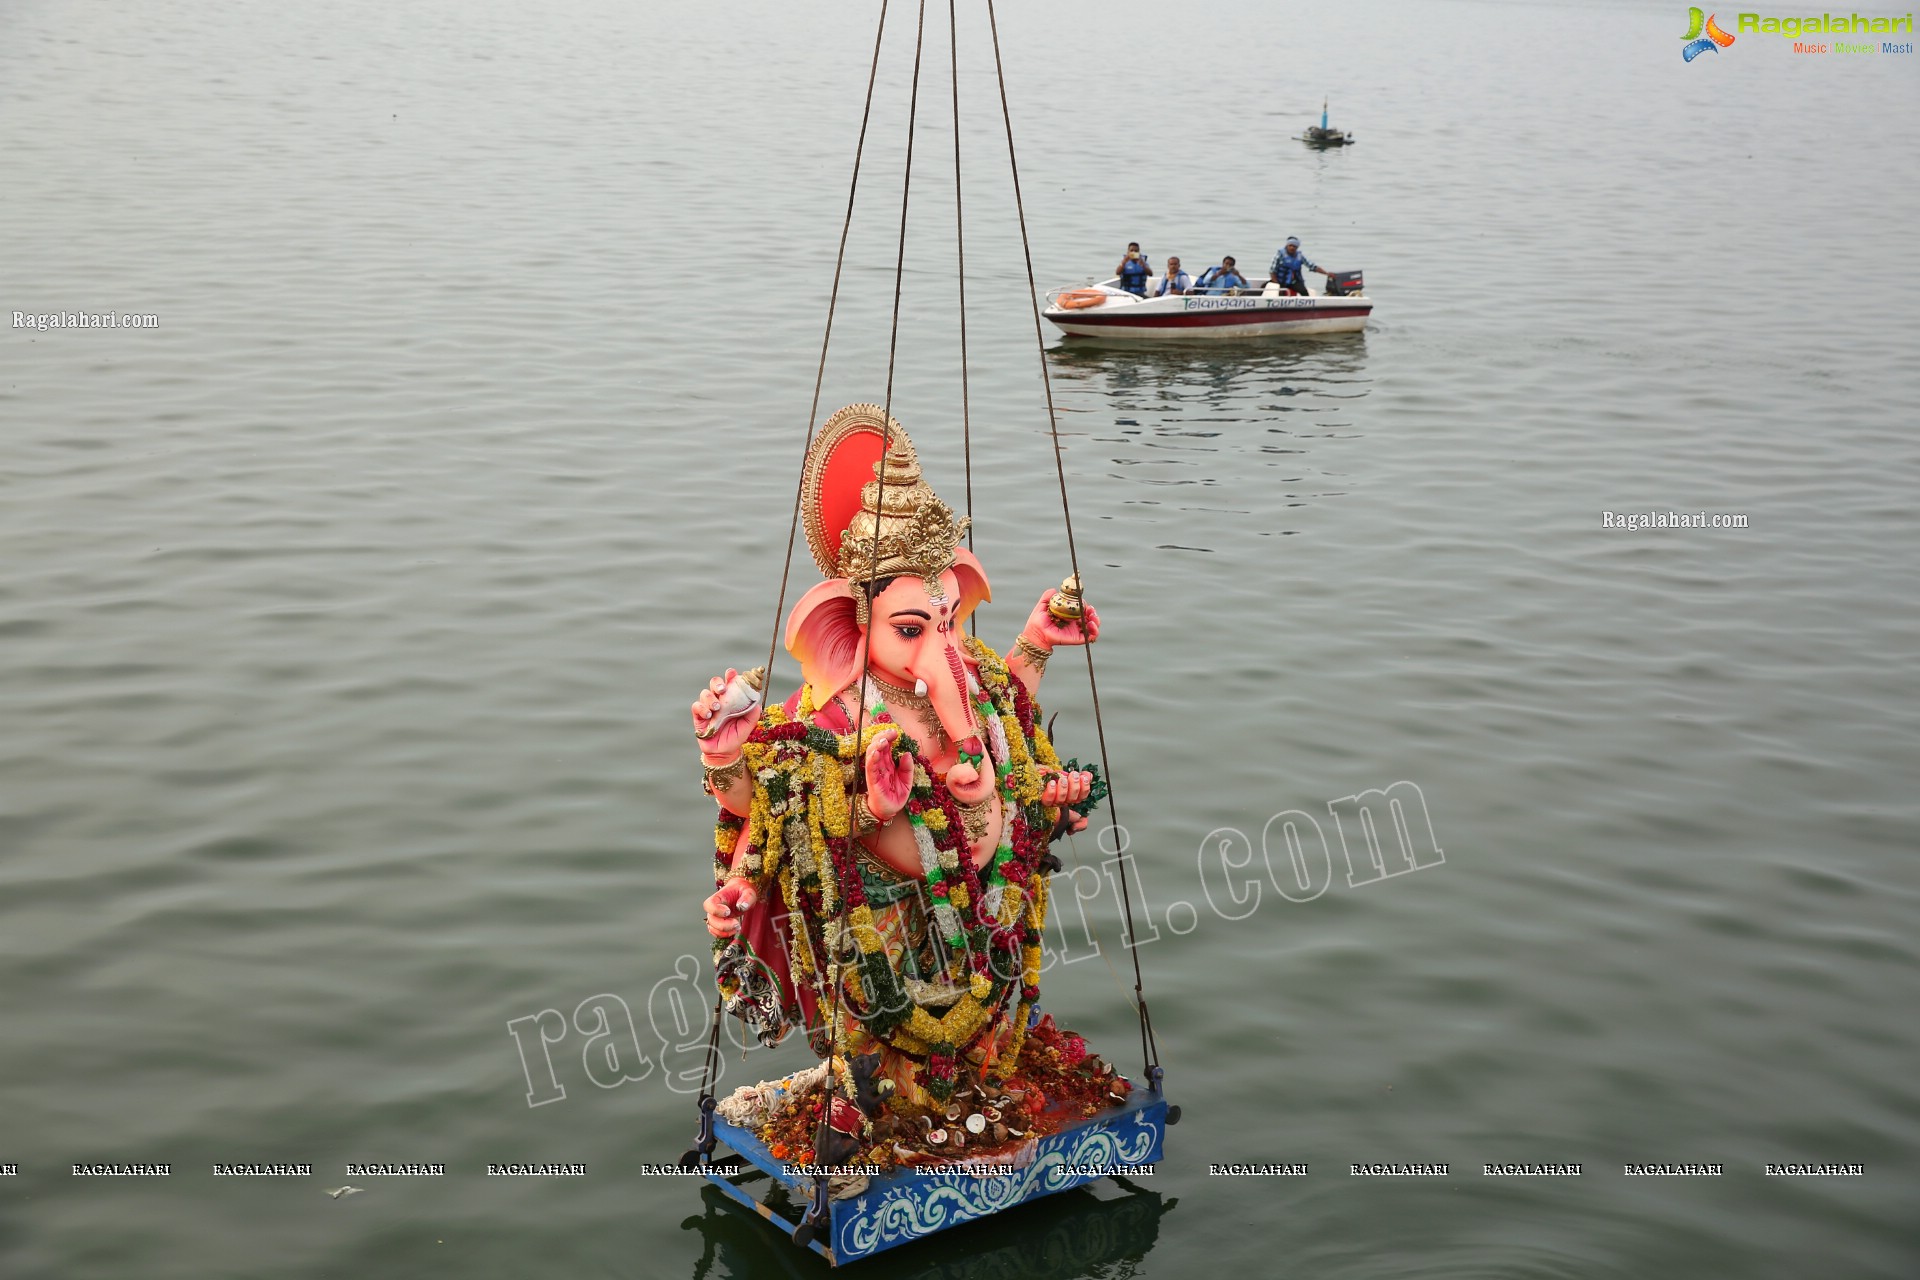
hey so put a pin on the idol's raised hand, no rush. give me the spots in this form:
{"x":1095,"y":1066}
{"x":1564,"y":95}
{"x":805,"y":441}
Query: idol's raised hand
{"x":723,"y":716}
{"x":889,"y":779}
{"x":1049,"y":632}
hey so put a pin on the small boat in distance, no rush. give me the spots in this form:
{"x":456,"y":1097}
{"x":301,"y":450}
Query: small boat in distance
{"x":1322,"y":136}
{"x":1105,"y":310}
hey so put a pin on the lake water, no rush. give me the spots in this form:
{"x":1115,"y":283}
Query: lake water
{"x":350,"y":614}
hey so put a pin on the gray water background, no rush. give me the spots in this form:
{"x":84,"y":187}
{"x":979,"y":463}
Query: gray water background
{"x":350,"y":615}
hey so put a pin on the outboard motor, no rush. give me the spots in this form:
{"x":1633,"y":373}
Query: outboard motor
{"x":1342,"y":283}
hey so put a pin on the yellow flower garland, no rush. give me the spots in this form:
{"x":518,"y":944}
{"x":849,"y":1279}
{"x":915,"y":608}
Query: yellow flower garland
{"x":828,"y":815}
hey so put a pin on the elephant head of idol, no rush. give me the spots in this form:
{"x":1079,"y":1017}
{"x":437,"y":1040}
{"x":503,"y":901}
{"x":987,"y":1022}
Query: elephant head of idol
{"x":899,"y":585}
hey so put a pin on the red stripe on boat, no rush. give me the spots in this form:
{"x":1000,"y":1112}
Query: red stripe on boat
{"x":1211,"y":319}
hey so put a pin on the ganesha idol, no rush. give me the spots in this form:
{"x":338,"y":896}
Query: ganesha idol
{"x":882,"y":847}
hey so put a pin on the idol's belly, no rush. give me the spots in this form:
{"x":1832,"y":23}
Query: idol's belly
{"x":894,"y":845}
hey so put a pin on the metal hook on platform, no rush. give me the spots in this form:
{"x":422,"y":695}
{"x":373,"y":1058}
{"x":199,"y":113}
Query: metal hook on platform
{"x":703,"y":1142}
{"x":817,"y":1213}
{"x":1156,"y":1077}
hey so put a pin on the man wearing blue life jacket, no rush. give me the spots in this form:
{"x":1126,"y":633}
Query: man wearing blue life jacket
{"x":1220,"y":279}
{"x":1134,"y":270}
{"x":1175,"y":281}
{"x":1290,"y":267}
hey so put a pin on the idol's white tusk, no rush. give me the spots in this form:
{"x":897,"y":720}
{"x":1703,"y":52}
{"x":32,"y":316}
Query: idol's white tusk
{"x":920,"y":688}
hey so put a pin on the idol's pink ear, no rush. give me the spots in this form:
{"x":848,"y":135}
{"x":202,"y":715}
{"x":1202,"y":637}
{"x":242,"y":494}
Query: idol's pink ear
{"x":824,"y":639}
{"x":972,"y":581}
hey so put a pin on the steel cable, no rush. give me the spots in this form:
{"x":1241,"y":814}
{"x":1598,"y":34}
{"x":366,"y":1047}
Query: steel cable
{"x":1149,"y":1049}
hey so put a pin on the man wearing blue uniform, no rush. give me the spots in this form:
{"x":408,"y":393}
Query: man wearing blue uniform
{"x":1219,"y":279}
{"x":1134,"y":270}
{"x":1290,"y":267}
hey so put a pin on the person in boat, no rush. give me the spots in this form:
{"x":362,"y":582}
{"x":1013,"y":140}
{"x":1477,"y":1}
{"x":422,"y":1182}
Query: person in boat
{"x":1175,"y":281}
{"x":1290,"y":267}
{"x":1220,"y":279}
{"x":1134,"y":270}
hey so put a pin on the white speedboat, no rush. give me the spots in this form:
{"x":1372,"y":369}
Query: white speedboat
{"x":1105,"y":310}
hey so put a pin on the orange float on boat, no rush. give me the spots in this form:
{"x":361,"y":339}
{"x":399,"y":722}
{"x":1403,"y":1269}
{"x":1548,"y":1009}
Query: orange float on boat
{"x":1076,"y":299}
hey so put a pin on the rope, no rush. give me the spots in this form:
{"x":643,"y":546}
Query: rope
{"x":833,"y":302}
{"x":819,"y":376}
{"x":1149,"y":1048}
{"x":713,"y":1050}
{"x":960,"y":251}
{"x":900,"y":255}
{"x":880,"y":505}
{"x":886,"y":416}
{"x":960,"y":275}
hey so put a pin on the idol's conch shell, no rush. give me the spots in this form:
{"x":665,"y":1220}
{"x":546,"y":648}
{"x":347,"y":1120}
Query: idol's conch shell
{"x":741,"y":697}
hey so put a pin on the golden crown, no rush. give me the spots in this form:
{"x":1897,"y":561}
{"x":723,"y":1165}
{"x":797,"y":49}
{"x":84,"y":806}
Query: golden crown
{"x":916,"y":531}
{"x":901,"y":525}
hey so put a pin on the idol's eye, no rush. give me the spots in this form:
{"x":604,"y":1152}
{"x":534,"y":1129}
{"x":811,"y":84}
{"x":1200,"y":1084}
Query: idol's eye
{"x":908,"y":632}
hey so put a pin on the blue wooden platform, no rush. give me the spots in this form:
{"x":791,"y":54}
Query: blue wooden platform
{"x":909,"y":1204}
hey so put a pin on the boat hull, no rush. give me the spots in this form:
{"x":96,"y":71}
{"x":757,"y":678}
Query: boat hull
{"x":1211,"y":318}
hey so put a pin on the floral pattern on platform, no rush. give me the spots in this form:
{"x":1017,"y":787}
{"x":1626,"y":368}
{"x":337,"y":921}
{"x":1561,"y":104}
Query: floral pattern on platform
{"x":928,"y":1203}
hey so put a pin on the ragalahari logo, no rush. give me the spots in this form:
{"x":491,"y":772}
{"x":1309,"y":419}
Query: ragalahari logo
{"x":1712,"y":42}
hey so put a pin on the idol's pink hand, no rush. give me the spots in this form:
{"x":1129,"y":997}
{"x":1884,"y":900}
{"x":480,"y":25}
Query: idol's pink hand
{"x":889,"y":780}
{"x":1050,"y":632}
{"x":726,"y":905}
{"x":1066,"y":787}
{"x":725,"y":744}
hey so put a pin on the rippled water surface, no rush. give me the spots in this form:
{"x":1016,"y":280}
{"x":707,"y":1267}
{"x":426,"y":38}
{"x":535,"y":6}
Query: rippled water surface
{"x":350,"y":614}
